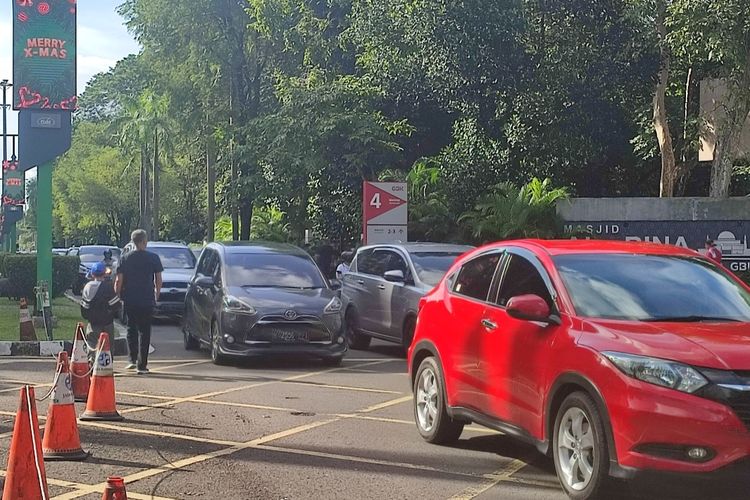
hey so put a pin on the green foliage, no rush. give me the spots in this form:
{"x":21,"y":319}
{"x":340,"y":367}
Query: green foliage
{"x":509,"y":212}
{"x":269,"y":224}
{"x":21,"y":271}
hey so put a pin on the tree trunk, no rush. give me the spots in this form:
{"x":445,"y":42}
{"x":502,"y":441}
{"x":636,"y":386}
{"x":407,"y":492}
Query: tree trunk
{"x":689,"y":157}
{"x":211,"y":198}
{"x":146,"y":222}
{"x":661,"y":125}
{"x":156,"y":191}
{"x":728,"y":135}
{"x":246,"y":217}
{"x":142,"y":193}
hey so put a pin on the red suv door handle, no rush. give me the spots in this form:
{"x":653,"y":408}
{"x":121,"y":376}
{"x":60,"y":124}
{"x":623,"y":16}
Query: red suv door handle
{"x":489,"y":324}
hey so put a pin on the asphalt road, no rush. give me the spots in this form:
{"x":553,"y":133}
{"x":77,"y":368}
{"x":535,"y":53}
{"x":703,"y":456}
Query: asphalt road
{"x":291,"y":429}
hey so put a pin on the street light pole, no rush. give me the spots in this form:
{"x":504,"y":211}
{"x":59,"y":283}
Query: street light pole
{"x":10,"y":244}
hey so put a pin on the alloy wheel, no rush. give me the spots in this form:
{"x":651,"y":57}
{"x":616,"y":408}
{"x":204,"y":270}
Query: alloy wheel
{"x":576,"y":449}
{"x":427,"y":400}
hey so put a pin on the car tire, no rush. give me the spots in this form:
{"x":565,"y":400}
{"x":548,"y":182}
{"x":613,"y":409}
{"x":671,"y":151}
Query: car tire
{"x":355,"y":339}
{"x":216,"y":356}
{"x":579,"y":448}
{"x":190,"y":342}
{"x":430,"y":406}
{"x":333,"y":362}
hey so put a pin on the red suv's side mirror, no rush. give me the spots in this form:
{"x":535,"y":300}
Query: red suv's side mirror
{"x":529,"y":308}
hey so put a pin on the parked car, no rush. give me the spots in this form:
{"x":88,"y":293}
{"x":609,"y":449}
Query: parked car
{"x":197,"y":252}
{"x":384,"y":285}
{"x":612,"y":357}
{"x":73,"y":251}
{"x":59,"y":251}
{"x":260,"y":299}
{"x":88,"y":256}
{"x":179,"y":263}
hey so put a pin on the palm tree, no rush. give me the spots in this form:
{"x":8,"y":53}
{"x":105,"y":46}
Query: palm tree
{"x":509,"y":212}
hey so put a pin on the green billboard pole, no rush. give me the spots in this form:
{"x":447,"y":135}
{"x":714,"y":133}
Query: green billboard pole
{"x":44,"y":224}
{"x":44,"y":83}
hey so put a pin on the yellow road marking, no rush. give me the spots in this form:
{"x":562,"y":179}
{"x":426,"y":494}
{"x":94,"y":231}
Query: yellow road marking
{"x":162,"y":368}
{"x":491,"y":480}
{"x":344,"y":387}
{"x":150,"y":432}
{"x":145,"y":395}
{"x":189,"y":399}
{"x":386,"y":404}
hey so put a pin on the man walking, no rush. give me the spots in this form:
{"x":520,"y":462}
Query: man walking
{"x":138,"y":284}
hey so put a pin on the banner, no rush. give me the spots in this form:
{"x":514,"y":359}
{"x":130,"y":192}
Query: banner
{"x":44,"y":54}
{"x":13,"y":196}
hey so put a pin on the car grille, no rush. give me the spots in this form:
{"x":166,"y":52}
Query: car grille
{"x":740,"y":403}
{"x":172,"y":297}
{"x":174,"y":284}
{"x":288,"y":332}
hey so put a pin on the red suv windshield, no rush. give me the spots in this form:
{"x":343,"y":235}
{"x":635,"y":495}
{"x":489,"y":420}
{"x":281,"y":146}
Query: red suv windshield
{"x":651,"y":288}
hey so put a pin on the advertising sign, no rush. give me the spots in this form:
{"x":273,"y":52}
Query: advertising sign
{"x":14,"y":195}
{"x":44,"y":54}
{"x":730,"y":236}
{"x":386,"y":212}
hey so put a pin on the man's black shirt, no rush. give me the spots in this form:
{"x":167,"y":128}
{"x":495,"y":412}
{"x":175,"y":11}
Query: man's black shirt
{"x":138,"y":269}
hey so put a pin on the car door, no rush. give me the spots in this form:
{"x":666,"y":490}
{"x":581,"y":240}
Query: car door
{"x":516,"y":352}
{"x":467,"y":305}
{"x":201,"y":306}
{"x":367,"y":281}
{"x":395,"y":297}
{"x":190,"y":318}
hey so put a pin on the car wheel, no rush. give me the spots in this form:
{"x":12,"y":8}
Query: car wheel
{"x":216,"y":356}
{"x":430,"y":406}
{"x":580,"y":448}
{"x":333,"y":362}
{"x":355,"y":339}
{"x":191,"y":343}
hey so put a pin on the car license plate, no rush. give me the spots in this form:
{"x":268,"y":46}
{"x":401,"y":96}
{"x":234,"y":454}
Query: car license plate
{"x":289,"y":337}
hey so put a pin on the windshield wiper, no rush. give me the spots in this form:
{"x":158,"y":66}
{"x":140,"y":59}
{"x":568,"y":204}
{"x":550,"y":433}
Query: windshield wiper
{"x":691,"y":319}
{"x":284,"y":287}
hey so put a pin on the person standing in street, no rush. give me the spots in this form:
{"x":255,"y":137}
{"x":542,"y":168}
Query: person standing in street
{"x":99,"y":305}
{"x":713,"y":252}
{"x":138,"y":283}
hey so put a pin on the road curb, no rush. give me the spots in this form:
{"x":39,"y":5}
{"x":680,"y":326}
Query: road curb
{"x":42,"y":348}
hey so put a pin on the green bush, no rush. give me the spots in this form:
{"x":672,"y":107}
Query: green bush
{"x":2,"y":260}
{"x":21,"y":271}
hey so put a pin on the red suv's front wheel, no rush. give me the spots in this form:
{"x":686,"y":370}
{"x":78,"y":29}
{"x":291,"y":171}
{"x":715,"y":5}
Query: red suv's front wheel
{"x":580,"y":448}
{"x":430,"y":412}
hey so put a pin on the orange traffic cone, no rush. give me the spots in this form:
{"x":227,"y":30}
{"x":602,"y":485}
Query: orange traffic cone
{"x":27,"y":325}
{"x":26,"y":477}
{"x":101,"y":401}
{"x":115,"y":489}
{"x":61,"y":440}
{"x":80,"y":367}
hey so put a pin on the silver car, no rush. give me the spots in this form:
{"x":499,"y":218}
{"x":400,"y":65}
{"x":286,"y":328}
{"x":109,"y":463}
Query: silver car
{"x":384,"y":285}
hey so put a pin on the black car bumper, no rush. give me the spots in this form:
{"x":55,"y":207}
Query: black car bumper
{"x":169,"y":309}
{"x":324,"y":351}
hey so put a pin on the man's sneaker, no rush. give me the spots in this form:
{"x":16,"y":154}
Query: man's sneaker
{"x":143,"y":371}
{"x":131,"y":366}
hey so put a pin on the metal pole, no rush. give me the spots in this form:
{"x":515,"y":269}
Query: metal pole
{"x":10,"y":240}
{"x":44,"y":224}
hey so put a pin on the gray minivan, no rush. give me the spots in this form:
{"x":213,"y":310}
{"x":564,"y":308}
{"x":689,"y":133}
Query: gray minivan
{"x":382,"y":290}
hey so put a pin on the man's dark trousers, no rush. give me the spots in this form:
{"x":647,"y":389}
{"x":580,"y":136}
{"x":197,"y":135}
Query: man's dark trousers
{"x":139,"y":333}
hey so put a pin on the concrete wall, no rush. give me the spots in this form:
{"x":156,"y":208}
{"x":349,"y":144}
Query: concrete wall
{"x":655,"y":209}
{"x":685,"y":222}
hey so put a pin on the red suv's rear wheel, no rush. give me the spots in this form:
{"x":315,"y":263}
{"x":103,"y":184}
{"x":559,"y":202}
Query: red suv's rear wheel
{"x":430,"y":412}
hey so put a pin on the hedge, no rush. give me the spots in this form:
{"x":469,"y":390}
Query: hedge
{"x":20,"y":269}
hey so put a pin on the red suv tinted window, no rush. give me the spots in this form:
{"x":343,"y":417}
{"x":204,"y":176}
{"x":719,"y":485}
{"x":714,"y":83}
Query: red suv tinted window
{"x":475,"y":277}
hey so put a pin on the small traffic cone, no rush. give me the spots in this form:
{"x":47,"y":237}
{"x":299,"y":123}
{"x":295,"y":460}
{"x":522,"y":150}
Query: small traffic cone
{"x":61,"y":439}
{"x":27,"y":325}
{"x":100,"y":404}
{"x":80,"y":367}
{"x":115,"y":489}
{"x":26,"y":477}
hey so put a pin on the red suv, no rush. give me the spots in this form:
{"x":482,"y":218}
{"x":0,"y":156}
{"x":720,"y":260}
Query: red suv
{"x":612,"y":357}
